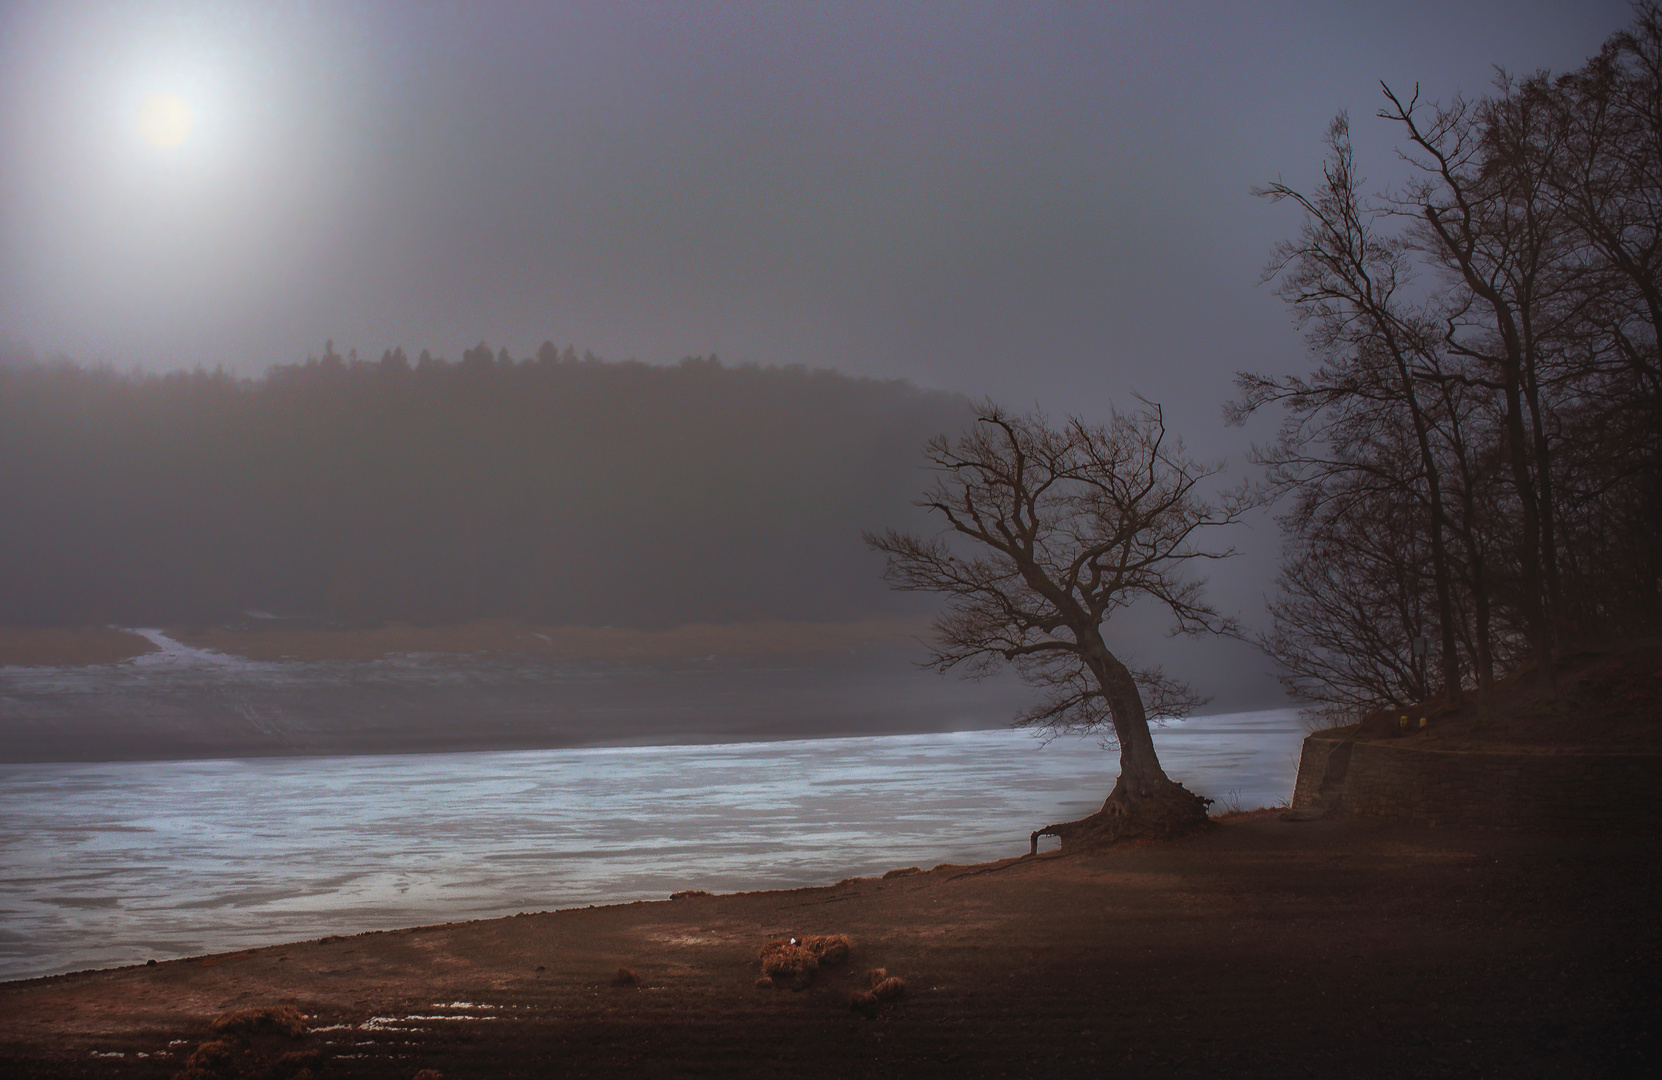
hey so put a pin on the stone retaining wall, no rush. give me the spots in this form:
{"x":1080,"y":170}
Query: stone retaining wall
{"x":1405,"y":780}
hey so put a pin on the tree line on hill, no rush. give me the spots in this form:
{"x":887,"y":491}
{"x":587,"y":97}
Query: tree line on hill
{"x":1476,"y":461}
{"x":557,"y":489}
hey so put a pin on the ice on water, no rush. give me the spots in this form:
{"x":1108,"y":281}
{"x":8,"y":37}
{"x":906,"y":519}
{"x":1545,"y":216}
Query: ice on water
{"x":105,"y":864}
{"x":174,"y":654}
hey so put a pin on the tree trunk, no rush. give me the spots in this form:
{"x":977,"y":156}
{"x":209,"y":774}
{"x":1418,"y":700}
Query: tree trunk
{"x":1512,"y":363}
{"x":1145,"y":802}
{"x":1485,"y":660}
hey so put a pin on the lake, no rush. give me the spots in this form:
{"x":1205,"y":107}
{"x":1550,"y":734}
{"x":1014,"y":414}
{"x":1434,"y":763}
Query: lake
{"x":116,"y":863}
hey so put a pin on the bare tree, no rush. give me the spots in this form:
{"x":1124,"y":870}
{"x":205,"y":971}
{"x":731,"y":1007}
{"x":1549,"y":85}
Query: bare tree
{"x":1349,"y":286}
{"x":1071,"y":523}
{"x":1354,"y":588}
{"x":1503,"y":246}
{"x":1599,"y":151}
{"x":1478,"y":455}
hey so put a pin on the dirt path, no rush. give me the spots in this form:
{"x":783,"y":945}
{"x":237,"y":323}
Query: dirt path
{"x":1262,"y":948}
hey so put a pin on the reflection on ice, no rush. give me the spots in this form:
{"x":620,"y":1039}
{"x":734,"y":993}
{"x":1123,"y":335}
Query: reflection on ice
{"x":104,"y":864}
{"x":176,"y":654}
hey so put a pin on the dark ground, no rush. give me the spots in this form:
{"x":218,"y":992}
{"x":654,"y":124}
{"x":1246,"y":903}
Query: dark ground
{"x":1261,"y":948}
{"x":1608,"y":699}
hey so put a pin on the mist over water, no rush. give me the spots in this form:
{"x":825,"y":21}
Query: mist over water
{"x":191,"y":703}
{"x":108,"y":864}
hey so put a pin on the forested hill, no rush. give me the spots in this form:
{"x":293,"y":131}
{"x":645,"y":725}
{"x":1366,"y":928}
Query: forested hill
{"x":555,"y":489}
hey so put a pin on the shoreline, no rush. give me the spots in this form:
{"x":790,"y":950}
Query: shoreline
{"x":712,"y":740}
{"x":187,"y":709}
{"x":690,"y":741}
{"x":1261,"y":944}
{"x":265,"y":639}
{"x":115,"y":863}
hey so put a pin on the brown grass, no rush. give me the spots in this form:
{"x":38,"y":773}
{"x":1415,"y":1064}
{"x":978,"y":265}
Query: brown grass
{"x":253,"y":1042}
{"x":830,"y":950}
{"x":787,"y":960}
{"x":793,"y":963}
{"x":889,"y":989}
{"x":1609,"y":700}
{"x":883,"y":988}
{"x":212,"y":1058}
{"x":280,"y":1020}
{"x":1263,"y":813}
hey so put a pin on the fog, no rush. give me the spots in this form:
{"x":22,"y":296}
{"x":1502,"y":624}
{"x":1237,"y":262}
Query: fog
{"x":1045,"y":205}
{"x":1048,"y":203}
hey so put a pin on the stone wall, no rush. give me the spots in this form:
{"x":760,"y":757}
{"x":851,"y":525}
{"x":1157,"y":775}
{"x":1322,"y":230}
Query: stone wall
{"x":1405,"y":780}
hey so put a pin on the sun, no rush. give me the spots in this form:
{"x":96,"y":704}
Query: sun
{"x":165,"y":120}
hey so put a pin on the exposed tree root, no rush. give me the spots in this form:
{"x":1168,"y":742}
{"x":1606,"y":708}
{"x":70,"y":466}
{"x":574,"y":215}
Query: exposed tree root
{"x":1159,"y":810}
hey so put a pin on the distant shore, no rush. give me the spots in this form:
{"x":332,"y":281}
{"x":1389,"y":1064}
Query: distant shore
{"x":266,"y":638}
{"x":138,"y":694}
{"x":1260,"y":948}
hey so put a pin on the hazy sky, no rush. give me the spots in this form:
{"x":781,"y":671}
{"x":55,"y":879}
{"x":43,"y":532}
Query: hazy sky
{"x":1043,"y":202}
{"x":1040,"y":201}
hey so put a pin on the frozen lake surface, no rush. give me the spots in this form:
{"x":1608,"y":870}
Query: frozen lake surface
{"x":109,"y":864}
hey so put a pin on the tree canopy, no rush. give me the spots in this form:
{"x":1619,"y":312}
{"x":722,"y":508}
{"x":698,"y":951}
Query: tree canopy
{"x":1476,"y":460}
{"x":356,"y":490}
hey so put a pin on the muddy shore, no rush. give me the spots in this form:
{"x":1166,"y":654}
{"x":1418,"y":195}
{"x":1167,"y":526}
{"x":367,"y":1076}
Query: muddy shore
{"x":1263,"y":947}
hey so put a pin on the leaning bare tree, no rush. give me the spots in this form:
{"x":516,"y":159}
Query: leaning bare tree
{"x":1070,"y":524}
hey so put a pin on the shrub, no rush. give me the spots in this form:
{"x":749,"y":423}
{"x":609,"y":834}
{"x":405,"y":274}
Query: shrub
{"x":279,"y":1020}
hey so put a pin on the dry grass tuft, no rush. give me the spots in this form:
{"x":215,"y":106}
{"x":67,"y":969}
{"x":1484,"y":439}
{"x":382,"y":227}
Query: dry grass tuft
{"x":212,"y":1058}
{"x":830,"y":950}
{"x":279,"y":1020}
{"x":254,"y":1042}
{"x":793,"y":963}
{"x":1262,"y":813}
{"x":296,"y":1065}
{"x":687,"y":894}
{"x":624,"y":977}
{"x":884,"y":987}
{"x":428,"y":1074}
{"x":889,"y":989}
{"x":905,"y":871}
{"x":788,"y":960}
{"x":765,"y":983}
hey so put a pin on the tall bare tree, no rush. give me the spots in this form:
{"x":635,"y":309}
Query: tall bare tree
{"x":1482,"y":218}
{"x":1352,"y":289}
{"x":1487,"y":399}
{"x":1599,"y":154}
{"x":1067,"y":525}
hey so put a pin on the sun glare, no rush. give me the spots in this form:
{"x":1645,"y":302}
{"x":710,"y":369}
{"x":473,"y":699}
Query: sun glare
{"x":165,"y":120}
